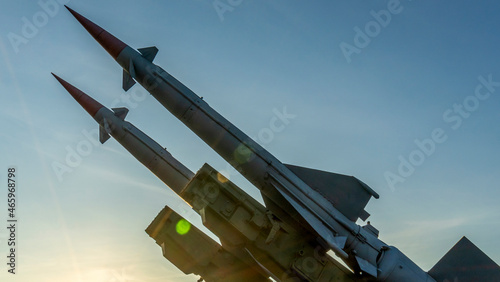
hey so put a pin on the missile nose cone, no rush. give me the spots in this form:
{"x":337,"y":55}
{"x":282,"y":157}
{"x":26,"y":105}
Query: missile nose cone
{"x":112,"y":44}
{"x":89,"y":104}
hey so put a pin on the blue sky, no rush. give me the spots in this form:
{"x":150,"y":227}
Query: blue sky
{"x":356,"y":114}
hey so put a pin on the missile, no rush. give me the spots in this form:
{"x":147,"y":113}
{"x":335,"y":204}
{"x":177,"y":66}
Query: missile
{"x":213,"y":259}
{"x":324,"y":203}
{"x":253,"y":161}
{"x":216,"y":198}
{"x":184,"y":250}
{"x":151,"y":154}
{"x":225,"y":209}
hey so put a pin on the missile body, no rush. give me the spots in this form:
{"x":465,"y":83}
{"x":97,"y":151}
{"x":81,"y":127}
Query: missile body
{"x":236,"y":218}
{"x":210,"y":262}
{"x":285,"y":194}
{"x":142,"y":147}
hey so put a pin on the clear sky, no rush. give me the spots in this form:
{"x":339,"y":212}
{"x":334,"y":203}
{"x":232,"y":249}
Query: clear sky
{"x":403,"y":95}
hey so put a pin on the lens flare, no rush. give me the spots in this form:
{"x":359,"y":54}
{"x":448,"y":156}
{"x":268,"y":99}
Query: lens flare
{"x":182,"y":227}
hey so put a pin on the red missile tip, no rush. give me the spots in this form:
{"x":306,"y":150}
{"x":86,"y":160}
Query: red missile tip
{"x":89,"y":104}
{"x":113,"y":45}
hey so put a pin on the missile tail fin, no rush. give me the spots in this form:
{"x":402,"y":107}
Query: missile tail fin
{"x":346,"y":193}
{"x":367,"y":267}
{"x":149,"y":53}
{"x":465,"y":262}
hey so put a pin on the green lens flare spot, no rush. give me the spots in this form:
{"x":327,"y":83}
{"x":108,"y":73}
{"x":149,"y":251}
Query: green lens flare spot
{"x":243,"y":154}
{"x":182,"y":227}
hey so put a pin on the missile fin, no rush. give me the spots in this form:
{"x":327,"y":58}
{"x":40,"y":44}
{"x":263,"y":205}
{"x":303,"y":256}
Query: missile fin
{"x":105,"y":126}
{"x":340,"y":241}
{"x":149,"y":53}
{"x":367,"y":267}
{"x":346,"y":193}
{"x":103,"y":135}
{"x":121,"y":113}
{"x":465,"y":262}
{"x":128,"y":81}
{"x":128,"y":77}
{"x":323,"y":231}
